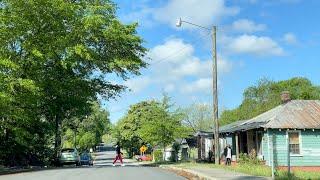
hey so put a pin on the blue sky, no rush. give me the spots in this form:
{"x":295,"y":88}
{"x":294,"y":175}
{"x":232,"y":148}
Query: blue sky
{"x":277,"y":39}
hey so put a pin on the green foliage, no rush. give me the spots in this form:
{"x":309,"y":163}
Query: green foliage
{"x":175,"y":152}
{"x":54,"y":58}
{"x":108,"y":139}
{"x":158,"y":155}
{"x":266,"y":95}
{"x":150,"y":122}
{"x":160,"y":125}
{"x":96,"y":125}
{"x":251,"y":159}
{"x":193,"y":154}
{"x":87,"y":141}
{"x":198,"y":117}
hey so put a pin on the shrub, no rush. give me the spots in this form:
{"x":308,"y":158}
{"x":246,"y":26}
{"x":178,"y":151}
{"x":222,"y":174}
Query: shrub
{"x":158,"y":155}
{"x":194,"y":154}
{"x":251,"y":158}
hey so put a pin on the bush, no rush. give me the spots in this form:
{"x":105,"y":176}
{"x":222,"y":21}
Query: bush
{"x":158,"y":155}
{"x":194,"y":154}
{"x":249,"y":159}
{"x":174,"y":154}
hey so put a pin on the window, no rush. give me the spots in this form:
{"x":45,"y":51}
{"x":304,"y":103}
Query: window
{"x":294,"y":142}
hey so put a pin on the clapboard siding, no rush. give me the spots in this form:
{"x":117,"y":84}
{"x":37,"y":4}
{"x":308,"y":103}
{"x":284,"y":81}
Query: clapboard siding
{"x":310,"y":148}
{"x":265,"y":146}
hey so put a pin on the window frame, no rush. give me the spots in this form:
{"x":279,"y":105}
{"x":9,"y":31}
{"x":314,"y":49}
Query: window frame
{"x":300,"y":142}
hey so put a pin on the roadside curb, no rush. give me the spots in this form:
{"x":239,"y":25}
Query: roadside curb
{"x":16,"y":171}
{"x":195,"y":173}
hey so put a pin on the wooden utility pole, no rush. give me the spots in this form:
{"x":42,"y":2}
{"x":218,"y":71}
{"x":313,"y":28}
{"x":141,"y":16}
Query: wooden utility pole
{"x":288,"y":153}
{"x":215,"y":97}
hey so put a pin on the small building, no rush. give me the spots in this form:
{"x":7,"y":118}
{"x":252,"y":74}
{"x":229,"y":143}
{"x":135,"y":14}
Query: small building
{"x":184,"y":145}
{"x":286,"y":134}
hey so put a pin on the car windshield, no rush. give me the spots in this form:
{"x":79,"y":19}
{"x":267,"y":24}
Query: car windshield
{"x":67,"y":150}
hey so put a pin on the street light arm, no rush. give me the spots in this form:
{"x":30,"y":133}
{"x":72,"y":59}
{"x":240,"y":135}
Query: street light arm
{"x":196,"y":25}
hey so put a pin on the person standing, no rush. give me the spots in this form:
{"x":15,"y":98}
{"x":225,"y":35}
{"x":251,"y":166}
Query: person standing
{"x":118,"y":155}
{"x":228,"y":155}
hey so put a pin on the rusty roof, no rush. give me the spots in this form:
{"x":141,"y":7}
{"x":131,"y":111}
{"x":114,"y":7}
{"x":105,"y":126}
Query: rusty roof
{"x":295,"y":114}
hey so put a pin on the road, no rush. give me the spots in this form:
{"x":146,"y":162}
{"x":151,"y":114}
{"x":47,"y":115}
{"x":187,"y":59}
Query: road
{"x":102,"y":169}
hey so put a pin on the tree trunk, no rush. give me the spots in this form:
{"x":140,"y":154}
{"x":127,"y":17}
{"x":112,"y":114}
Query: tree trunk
{"x":57,"y":142}
{"x":164,"y":152}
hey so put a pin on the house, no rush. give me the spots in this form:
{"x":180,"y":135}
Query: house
{"x":184,"y":146}
{"x":205,"y":145}
{"x":286,"y":134}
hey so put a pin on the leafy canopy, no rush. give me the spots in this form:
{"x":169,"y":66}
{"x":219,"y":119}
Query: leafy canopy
{"x":266,"y":95}
{"x":150,"y":122}
{"x":55,"y":56}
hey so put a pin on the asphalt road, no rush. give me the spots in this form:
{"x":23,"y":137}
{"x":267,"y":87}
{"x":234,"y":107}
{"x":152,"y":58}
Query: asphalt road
{"x":102,"y":169}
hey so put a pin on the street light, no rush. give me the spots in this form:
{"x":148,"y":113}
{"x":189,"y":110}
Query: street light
{"x":214,"y":86}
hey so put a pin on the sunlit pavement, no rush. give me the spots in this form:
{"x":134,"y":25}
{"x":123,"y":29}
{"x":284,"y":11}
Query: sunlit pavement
{"x":106,"y":158}
{"x":102,"y":169}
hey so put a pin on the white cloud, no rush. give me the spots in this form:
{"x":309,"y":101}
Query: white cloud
{"x":173,"y":51}
{"x":204,"y":12}
{"x":142,"y":17}
{"x":169,"y":88}
{"x":137,"y":84}
{"x":251,"y":44}
{"x":175,"y":59}
{"x":245,"y":25}
{"x":173,"y":64}
{"x":200,"y":85}
{"x":290,"y":38}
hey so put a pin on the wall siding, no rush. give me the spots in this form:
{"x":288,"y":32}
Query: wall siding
{"x":310,"y":149}
{"x":265,"y":150}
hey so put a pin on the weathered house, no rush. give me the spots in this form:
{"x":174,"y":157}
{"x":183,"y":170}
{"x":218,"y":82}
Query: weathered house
{"x":286,"y":134}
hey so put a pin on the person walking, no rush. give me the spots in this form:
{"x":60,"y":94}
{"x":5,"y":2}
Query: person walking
{"x":118,"y":155}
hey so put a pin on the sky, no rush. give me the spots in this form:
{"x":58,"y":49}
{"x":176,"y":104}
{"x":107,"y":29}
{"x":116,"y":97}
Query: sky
{"x":274,"y":39}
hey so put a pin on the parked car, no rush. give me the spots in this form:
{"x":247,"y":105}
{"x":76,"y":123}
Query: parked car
{"x":86,"y":159}
{"x":69,"y":156}
{"x":143,"y":157}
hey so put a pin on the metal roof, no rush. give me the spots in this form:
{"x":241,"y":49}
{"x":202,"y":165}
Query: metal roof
{"x":230,"y":127}
{"x":295,"y":114}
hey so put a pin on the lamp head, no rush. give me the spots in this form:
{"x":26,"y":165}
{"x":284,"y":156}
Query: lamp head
{"x":179,"y":22}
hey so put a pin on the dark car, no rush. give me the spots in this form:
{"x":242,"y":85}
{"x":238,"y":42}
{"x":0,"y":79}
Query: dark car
{"x":86,"y":159}
{"x":69,"y":156}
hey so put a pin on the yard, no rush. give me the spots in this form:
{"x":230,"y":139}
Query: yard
{"x":255,"y":169}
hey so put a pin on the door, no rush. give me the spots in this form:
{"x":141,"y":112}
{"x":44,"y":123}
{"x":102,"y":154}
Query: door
{"x":259,"y":136}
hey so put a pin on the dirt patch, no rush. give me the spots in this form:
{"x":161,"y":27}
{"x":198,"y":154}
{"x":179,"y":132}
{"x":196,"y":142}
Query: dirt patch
{"x":185,"y":174}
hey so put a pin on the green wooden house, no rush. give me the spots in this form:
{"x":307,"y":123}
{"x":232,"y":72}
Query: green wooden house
{"x":287,"y":134}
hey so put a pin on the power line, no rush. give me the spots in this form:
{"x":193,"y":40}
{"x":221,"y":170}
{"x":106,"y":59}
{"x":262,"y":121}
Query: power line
{"x":175,"y":53}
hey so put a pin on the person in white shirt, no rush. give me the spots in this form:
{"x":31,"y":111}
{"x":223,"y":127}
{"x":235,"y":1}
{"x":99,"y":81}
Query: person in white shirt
{"x":227,"y":154}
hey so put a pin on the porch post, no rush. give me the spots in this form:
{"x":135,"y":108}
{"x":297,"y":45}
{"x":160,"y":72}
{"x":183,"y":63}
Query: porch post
{"x":237,"y":145}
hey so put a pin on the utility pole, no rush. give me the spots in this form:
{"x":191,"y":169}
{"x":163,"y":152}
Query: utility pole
{"x":214,"y":86}
{"x":215,"y":96}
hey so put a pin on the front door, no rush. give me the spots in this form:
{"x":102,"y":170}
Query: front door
{"x":259,"y":136}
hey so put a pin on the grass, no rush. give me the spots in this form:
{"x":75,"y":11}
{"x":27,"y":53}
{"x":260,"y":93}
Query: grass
{"x":256,"y":170}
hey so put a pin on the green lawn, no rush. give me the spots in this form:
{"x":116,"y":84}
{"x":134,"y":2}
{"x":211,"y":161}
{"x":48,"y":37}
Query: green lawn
{"x":254,"y":169}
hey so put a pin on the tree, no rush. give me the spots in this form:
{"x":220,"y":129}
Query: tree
{"x":198,"y":117}
{"x":266,"y":95}
{"x":150,"y":122}
{"x":164,"y":125}
{"x":62,"y":50}
{"x":87,"y":141}
{"x":92,"y":128}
